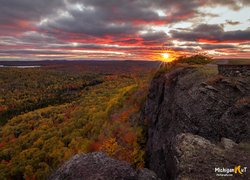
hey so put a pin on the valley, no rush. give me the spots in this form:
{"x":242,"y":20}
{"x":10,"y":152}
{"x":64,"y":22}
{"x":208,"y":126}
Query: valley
{"x":47,"y":115}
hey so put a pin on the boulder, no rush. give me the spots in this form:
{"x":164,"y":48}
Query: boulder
{"x":98,"y":166}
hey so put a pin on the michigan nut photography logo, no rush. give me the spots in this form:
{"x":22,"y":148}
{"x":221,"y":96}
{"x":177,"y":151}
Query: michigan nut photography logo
{"x":230,"y":171}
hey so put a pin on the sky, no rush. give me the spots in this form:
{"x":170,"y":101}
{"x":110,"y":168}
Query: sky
{"x":123,"y":29}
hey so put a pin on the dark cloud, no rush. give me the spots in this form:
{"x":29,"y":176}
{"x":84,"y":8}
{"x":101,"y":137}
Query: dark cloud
{"x":30,"y":52}
{"x":101,"y":18}
{"x":18,"y":16}
{"x":129,"y":41}
{"x":216,"y":46}
{"x":232,"y":22}
{"x":207,"y":46}
{"x":99,"y":24}
{"x":203,"y":14}
{"x":30,"y":38}
{"x":233,"y":4}
{"x":212,"y":32}
{"x":27,"y":9}
{"x":154,"y":38}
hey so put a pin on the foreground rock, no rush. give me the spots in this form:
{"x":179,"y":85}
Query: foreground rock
{"x":197,"y":102}
{"x":197,"y":158}
{"x":98,"y":166}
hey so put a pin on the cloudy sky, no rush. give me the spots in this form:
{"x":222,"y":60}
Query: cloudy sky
{"x":123,"y":29}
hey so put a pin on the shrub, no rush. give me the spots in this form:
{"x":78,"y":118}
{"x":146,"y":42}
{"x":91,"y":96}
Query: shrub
{"x":199,"y":59}
{"x":195,"y":59}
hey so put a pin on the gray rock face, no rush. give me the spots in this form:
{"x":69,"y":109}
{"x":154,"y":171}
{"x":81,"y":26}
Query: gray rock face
{"x":228,"y":143}
{"x":197,"y":157}
{"x":98,"y":166}
{"x":146,"y":174}
{"x":190,"y":148}
{"x":186,"y":100}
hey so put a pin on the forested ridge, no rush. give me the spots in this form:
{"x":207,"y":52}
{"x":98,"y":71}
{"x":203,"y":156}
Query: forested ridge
{"x":23,"y":90}
{"x":83,"y":113}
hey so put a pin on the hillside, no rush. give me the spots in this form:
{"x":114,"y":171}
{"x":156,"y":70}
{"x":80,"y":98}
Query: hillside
{"x":51,"y":113}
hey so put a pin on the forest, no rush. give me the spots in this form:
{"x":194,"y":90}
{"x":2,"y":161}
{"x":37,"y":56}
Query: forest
{"x":51,"y":113}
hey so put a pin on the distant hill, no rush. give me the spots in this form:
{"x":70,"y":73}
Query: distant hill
{"x":90,"y":65}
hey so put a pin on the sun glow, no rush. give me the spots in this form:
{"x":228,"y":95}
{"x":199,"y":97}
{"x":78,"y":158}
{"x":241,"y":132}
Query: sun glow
{"x":165,"y":55}
{"x":168,"y":56}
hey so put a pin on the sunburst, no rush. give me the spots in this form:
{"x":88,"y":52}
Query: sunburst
{"x":168,"y":56}
{"x":165,"y":55}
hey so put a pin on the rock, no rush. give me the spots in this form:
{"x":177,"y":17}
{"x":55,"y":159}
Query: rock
{"x":227,"y":143}
{"x":146,"y":174}
{"x":98,"y":166}
{"x":211,"y":88}
{"x":181,"y":102}
{"x":198,"y":157}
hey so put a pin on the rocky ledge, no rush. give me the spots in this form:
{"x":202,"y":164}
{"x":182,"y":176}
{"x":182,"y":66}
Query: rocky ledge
{"x":197,"y":120}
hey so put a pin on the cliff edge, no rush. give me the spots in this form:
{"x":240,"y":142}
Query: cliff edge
{"x":197,"y":121}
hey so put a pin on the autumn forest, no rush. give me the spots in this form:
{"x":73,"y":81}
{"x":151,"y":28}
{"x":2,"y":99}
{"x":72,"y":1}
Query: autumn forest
{"x":50,"y":113}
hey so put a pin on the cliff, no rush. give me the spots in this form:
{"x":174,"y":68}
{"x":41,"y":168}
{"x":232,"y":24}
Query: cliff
{"x":197,"y":121}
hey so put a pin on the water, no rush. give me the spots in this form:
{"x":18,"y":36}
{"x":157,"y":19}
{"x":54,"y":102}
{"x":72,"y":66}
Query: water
{"x":22,"y":67}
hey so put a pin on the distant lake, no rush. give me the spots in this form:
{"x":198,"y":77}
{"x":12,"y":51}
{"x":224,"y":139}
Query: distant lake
{"x":22,"y":67}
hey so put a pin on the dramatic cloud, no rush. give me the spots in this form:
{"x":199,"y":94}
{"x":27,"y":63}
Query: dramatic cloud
{"x":154,"y":38}
{"x":121,"y":29}
{"x":232,"y":22}
{"x":212,"y":33}
{"x":235,"y":4}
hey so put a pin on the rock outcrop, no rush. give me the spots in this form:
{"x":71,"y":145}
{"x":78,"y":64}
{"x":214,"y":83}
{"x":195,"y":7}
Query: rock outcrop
{"x":188,"y":112}
{"x":234,"y":70}
{"x":197,"y":158}
{"x":98,"y":166}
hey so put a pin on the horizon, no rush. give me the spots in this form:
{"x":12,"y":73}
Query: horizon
{"x":108,"y":60}
{"x":86,"y":30}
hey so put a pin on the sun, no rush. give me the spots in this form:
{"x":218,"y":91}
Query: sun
{"x":165,"y":55}
{"x":168,"y":56}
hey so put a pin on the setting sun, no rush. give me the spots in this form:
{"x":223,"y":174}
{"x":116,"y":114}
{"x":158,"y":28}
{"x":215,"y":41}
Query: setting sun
{"x":165,"y":55}
{"x":168,"y":56}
